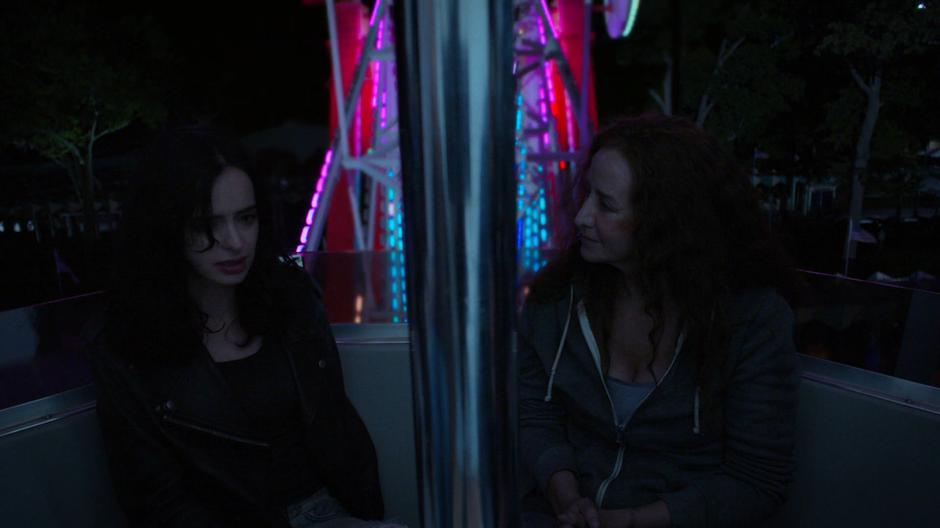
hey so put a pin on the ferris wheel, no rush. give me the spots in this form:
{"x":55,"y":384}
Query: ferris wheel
{"x":555,"y":109}
{"x":357,"y":201}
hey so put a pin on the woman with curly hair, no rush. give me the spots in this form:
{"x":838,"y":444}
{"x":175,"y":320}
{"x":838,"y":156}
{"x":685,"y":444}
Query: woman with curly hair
{"x":220,"y":391}
{"x":658,"y":374}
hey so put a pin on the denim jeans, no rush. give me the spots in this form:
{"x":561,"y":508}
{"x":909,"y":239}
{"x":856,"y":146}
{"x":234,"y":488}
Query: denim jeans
{"x":322,"y":510}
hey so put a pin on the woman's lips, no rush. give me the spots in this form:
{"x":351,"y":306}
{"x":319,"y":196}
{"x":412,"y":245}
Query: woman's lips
{"x":232,"y":267}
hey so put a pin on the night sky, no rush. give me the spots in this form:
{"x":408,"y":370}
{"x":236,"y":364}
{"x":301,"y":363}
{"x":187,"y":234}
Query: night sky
{"x":249,"y":65}
{"x":253,"y":65}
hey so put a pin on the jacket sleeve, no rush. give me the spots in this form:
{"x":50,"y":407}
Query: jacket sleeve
{"x":543,"y":440}
{"x":353,"y":469}
{"x":760,"y":407}
{"x":148,"y":479}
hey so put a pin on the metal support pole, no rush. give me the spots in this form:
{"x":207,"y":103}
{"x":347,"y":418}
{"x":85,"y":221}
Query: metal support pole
{"x":456,"y":109}
{"x":346,"y":113}
{"x":337,"y":76}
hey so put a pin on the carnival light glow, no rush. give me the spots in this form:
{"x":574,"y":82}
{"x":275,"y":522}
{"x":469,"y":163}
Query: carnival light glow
{"x":357,"y":128}
{"x":620,"y":17}
{"x":548,"y":16}
{"x":631,"y":20}
{"x":315,"y":201}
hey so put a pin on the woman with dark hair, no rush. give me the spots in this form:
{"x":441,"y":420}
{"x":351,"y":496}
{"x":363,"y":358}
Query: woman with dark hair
{"x":221,"y":395}
{"x":657,"y":364}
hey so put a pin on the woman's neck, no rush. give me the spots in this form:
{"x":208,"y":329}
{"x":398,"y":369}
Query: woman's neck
{"x":215,"y":300}
{"x":628,"y":286}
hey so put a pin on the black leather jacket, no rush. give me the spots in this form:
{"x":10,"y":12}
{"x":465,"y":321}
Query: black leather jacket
{"x":174,"y":434}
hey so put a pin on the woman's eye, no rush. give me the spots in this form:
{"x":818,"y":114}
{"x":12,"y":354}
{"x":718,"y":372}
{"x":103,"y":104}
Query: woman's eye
{"x":248,"y":218}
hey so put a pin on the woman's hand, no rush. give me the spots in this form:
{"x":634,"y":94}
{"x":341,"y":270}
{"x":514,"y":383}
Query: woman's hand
{"x":571,"y":509}
{"x":616,"y":518}
{"x":580,"y":513}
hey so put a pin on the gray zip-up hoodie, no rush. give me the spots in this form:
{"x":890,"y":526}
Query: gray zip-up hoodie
{"x":731,"y":473}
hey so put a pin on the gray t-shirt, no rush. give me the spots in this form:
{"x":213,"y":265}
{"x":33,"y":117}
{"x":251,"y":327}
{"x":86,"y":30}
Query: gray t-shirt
{"x":627,"y":397}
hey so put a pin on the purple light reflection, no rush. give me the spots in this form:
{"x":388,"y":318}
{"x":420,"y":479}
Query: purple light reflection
{"x":375,"y":11}
{"x":548,"y":16}
{"x":315,"y":201}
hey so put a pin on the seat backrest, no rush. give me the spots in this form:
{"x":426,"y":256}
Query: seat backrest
{"x":378,"y":382}
{"x":57,"y":475}
{"x":862,"y":460}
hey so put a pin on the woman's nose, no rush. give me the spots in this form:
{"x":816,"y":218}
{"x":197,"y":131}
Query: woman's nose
{"x":584,"y":217}
{"x":231,"y":238}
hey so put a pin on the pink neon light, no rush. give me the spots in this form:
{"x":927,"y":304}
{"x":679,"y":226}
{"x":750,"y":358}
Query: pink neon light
{"x":316,"y":199}
{"x":375,"y":83}
{"x":314,"y":203}
{"x":384,"y":106}
{"x":357,"y":146}
{"x":299,"y":249}
{"x":548,"y":80}
{"x":375,"y":11}
{"x":376,"y":66}
{"x":548,"y":15}
{"x":569,"y":122}
{"x":378,"y":45}
{"x":541,"y":31}
{"x":548,"y":74}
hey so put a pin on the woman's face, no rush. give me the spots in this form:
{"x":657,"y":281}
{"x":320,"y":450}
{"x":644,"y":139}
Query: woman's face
{"x":234,"y":225}
{"x":605,"y":221}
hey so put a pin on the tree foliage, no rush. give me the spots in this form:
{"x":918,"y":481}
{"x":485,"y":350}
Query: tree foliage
{"x":74,"y":75}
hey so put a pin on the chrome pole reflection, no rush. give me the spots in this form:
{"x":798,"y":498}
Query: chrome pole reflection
{"x":454,"y":61}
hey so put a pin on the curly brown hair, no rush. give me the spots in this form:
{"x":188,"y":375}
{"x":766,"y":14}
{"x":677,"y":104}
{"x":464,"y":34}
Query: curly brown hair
{"x":699,"y":237}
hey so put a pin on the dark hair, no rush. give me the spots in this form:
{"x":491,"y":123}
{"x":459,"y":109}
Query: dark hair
{"x":149,"y":298}
{"x":699,"y":236}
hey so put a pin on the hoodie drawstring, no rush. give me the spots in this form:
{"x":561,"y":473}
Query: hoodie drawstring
{"x":561,"y":346}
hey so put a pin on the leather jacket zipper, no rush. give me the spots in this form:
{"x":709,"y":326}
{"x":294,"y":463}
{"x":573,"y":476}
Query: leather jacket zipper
{"x":214,"y":432}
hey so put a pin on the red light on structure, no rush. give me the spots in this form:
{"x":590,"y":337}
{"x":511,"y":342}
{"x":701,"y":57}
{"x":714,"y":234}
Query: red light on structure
{"x":563,"y":164}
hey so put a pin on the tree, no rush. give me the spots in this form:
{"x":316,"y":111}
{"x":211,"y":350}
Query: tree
{"x":74,"y":76}
{"x":873,"y":42}
{"x":747,"y":87}
{"x":724,"y":70}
